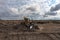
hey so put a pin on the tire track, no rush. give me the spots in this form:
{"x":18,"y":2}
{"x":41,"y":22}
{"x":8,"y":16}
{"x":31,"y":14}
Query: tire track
{"x":54,"y":36}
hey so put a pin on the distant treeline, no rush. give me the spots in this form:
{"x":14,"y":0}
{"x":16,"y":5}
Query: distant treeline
{"x":34,"y":21}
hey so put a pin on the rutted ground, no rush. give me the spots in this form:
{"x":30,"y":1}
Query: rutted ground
{"x":29,"y":36}
{"x":47,"y":31}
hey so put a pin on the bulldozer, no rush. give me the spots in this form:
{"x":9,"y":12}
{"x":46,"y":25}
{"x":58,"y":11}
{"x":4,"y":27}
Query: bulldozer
{"x":27,"y":25}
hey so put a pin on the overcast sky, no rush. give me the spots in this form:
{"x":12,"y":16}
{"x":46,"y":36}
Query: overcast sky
{"x":33,"y":9}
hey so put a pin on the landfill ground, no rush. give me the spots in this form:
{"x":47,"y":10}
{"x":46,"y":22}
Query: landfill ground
{"x":48,"y":30}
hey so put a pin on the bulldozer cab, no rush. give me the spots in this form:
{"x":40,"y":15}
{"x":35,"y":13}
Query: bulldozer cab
{"x":26,"y":20}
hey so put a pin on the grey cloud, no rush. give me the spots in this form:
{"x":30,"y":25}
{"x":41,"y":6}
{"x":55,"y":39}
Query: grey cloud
{"x":51,"y":13}
{"x":57,"y":7}
{"x":31,"y":9}
{"x":53,"y":10}
{"x":5,"y":13}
